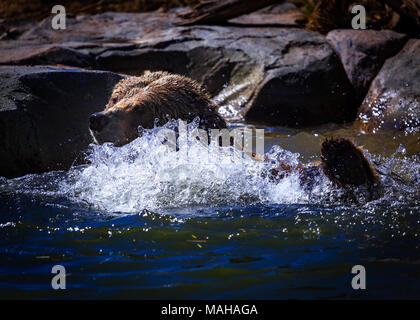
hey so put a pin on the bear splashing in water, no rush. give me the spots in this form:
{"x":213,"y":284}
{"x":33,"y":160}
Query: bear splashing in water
{"x":157,"y":97}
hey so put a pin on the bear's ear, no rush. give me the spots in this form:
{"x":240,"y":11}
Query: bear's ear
{"x":345,"y":164}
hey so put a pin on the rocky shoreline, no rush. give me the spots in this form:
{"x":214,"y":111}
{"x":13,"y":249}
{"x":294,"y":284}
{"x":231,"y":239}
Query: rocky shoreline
{"x":51,"y":80}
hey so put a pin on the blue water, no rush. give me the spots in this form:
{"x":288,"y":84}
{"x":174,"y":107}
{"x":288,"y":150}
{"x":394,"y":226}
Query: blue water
{"x":276,"y":251}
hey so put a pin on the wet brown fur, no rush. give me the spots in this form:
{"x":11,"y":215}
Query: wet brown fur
{"x":138,"y":101}
{"x":345,"y":164}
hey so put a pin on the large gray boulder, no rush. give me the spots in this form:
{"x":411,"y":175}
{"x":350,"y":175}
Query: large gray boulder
{"x":393,"y":100}
{"x":281,"y":76}
{"x":363,"y":52}
{"x":44,"y":114}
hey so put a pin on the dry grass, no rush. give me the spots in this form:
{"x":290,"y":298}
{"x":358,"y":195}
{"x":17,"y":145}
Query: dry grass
{"x":326,"y":15}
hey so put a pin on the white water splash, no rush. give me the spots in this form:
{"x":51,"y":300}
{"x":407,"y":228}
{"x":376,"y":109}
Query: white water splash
{"x":148,"y":174}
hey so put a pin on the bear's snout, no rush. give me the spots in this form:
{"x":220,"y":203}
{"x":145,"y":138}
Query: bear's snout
{"x":98,"y":121}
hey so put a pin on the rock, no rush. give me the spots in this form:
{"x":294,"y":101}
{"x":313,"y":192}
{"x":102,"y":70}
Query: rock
{"x":44,"y":114}
{"x":84,"y":37}
{"x":282,"y":76}
{"x":363,"y":53}
{"x":393,"y":100}
{"x":10,"y":30}
{"x":24,"y":54}
{"x":303,"y":85}
{"x":109,"y":27}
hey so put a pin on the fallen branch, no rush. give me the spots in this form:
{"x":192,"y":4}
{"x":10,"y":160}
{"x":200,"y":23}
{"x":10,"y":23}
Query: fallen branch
{"x":220,"y":11}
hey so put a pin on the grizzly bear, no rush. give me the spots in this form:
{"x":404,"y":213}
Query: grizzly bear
{"x":138,"y":101}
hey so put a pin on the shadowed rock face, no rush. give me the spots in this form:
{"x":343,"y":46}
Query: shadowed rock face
{"x":306,"y":86}
{"x":393,"y":100}
{"x":283,"y":76}
{"x":44,"y":114}
{"x":363,"y":53}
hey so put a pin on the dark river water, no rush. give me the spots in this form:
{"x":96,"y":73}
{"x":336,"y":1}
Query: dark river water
{"x":144,"y":222}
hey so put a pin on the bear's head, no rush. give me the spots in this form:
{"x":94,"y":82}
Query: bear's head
{"x":120,"y":120}
{"x":151,"y":100}
{"x":126,"y":110}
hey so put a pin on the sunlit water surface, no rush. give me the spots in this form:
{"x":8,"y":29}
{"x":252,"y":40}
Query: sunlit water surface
{"x":144,"y":221}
